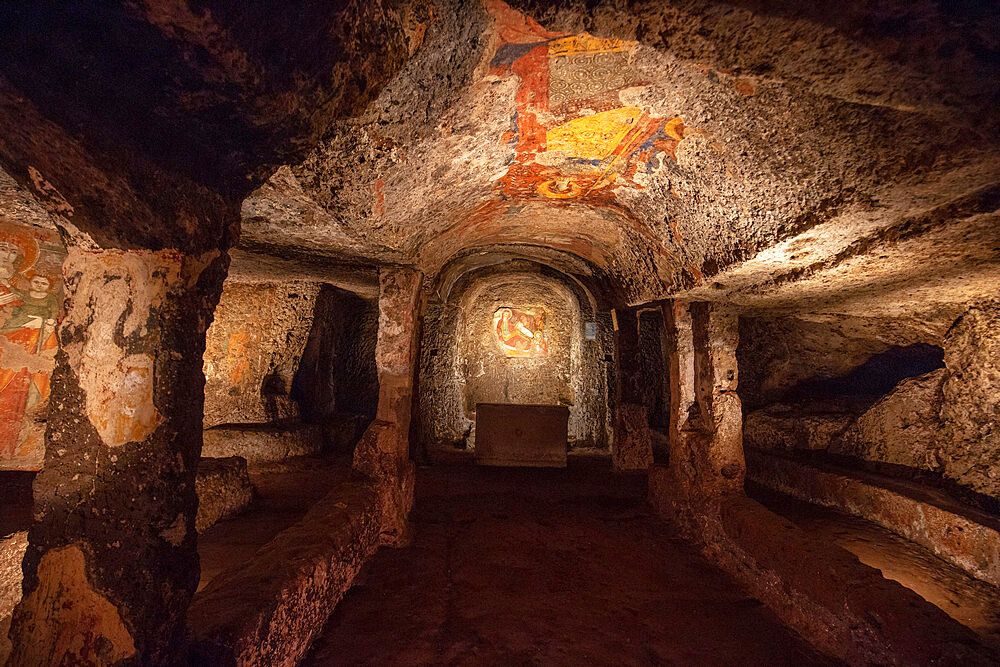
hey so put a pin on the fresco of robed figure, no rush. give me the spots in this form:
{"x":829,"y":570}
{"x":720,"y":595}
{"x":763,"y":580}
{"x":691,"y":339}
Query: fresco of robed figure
{"x":29,"y":311}
{"x":521,"y":333}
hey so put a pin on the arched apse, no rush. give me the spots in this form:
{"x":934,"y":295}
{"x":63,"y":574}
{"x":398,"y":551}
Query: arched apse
{"x":465,"y":359}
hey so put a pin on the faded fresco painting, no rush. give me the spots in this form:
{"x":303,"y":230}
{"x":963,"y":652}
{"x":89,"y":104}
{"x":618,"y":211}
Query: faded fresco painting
{"x":521,"y":333}
{"x":30,"y":300}
{"x":574,"y":134}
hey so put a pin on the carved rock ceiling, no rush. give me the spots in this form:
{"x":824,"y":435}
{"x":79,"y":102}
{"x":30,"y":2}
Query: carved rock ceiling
{"x":672,"y":164}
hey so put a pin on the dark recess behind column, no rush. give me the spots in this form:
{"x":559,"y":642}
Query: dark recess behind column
{"x":337,"y":373}
{"x":874,"y":378}
{"x":653,"y":369}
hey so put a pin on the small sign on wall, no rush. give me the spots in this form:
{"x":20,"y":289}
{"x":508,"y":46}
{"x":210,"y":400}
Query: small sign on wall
{"x":590,"y":330}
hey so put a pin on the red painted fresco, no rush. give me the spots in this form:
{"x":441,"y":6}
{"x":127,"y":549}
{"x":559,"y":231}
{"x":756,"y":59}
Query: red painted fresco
{"x":589,"y":73}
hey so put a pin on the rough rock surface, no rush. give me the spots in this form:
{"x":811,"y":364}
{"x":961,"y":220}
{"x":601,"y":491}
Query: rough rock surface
{"x":903,"y":428}
{"x":808,"y":426}
{"x":224,"y":489}
{"x":633,"y":447}
{"x":263,"y":442}
{"x":252,"y":351}
{"x":236,"y":91}
{"x":971,"y":410}
{"x":837,"y":159}
{"x":12,"y":548}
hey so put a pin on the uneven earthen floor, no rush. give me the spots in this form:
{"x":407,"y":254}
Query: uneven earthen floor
{"x":549,"y":567}
{"x":284,"y":492}
{"x":968,"y":600}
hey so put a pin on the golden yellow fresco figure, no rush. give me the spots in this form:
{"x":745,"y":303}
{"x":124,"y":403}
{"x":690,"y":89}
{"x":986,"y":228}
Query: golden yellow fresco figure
{"x":587,"y":44}
{"x":594,"y":137}
{"x":674,"y":128}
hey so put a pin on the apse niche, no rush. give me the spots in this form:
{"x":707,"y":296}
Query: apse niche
{"x":511,"y":335}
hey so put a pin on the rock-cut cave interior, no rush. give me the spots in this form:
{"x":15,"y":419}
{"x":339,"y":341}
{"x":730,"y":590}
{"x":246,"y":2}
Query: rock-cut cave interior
{"x":500,"y":332}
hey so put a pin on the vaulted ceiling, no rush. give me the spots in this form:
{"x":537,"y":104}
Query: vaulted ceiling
{"x":662,"y":144}
{"x":721,"y":150}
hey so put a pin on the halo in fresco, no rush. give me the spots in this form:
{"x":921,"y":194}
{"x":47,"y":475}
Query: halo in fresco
{"x":30,"y":302}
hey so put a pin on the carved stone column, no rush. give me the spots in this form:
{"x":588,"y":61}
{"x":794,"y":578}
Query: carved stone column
{"x":383,"y":452}
{"x":706,"y":421}
{"x":632,"y":448}
{"x":112,"y":563}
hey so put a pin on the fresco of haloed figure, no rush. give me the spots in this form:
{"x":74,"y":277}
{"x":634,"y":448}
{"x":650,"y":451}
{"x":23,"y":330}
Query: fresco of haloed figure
{"x":521,"y":332}
{"x":30,"y":297}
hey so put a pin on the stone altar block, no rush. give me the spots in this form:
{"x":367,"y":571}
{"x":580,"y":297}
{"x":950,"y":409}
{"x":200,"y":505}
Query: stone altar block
{"x":521,"y":435}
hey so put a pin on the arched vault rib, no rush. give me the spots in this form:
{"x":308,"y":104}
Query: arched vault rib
{"x":591,"y":287}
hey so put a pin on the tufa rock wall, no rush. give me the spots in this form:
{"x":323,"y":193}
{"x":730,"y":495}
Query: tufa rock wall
{"x":253,"y":349}
{"x":791,"y":359}
{"x":946,"y":421}
{"x":971,"y":409}
{"x":903,"y":428}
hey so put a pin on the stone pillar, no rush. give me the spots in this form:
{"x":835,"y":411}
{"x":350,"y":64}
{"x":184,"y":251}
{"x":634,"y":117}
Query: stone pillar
{"x":706,"y":422}
{"x":632,"y":448}
{"x":112,"y":563}
{"x":383,"y":452}
{"x":716,"y":336}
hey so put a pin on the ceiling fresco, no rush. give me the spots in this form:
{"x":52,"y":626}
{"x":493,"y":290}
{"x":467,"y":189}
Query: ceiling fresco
{"x":657,"y":164}
{"x":573,"y":135}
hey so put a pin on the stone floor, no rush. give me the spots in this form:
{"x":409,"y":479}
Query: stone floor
{"x":553,"y":567}
{"x":285,"y":491}
{"x":974,"y":603}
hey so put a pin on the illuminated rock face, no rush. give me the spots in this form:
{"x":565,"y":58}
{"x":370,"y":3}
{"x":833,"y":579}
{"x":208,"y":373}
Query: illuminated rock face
{"x":971,"y":408}
{"x":253,"y":349}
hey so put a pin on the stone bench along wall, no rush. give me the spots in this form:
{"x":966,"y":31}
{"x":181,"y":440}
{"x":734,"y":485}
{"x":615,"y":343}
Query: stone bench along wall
{"x":973,"y":545}
{"x":820,"y":590}
{"x":224,"y":490}
{"x":268,"y":611}
{"x":260,"y":443}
